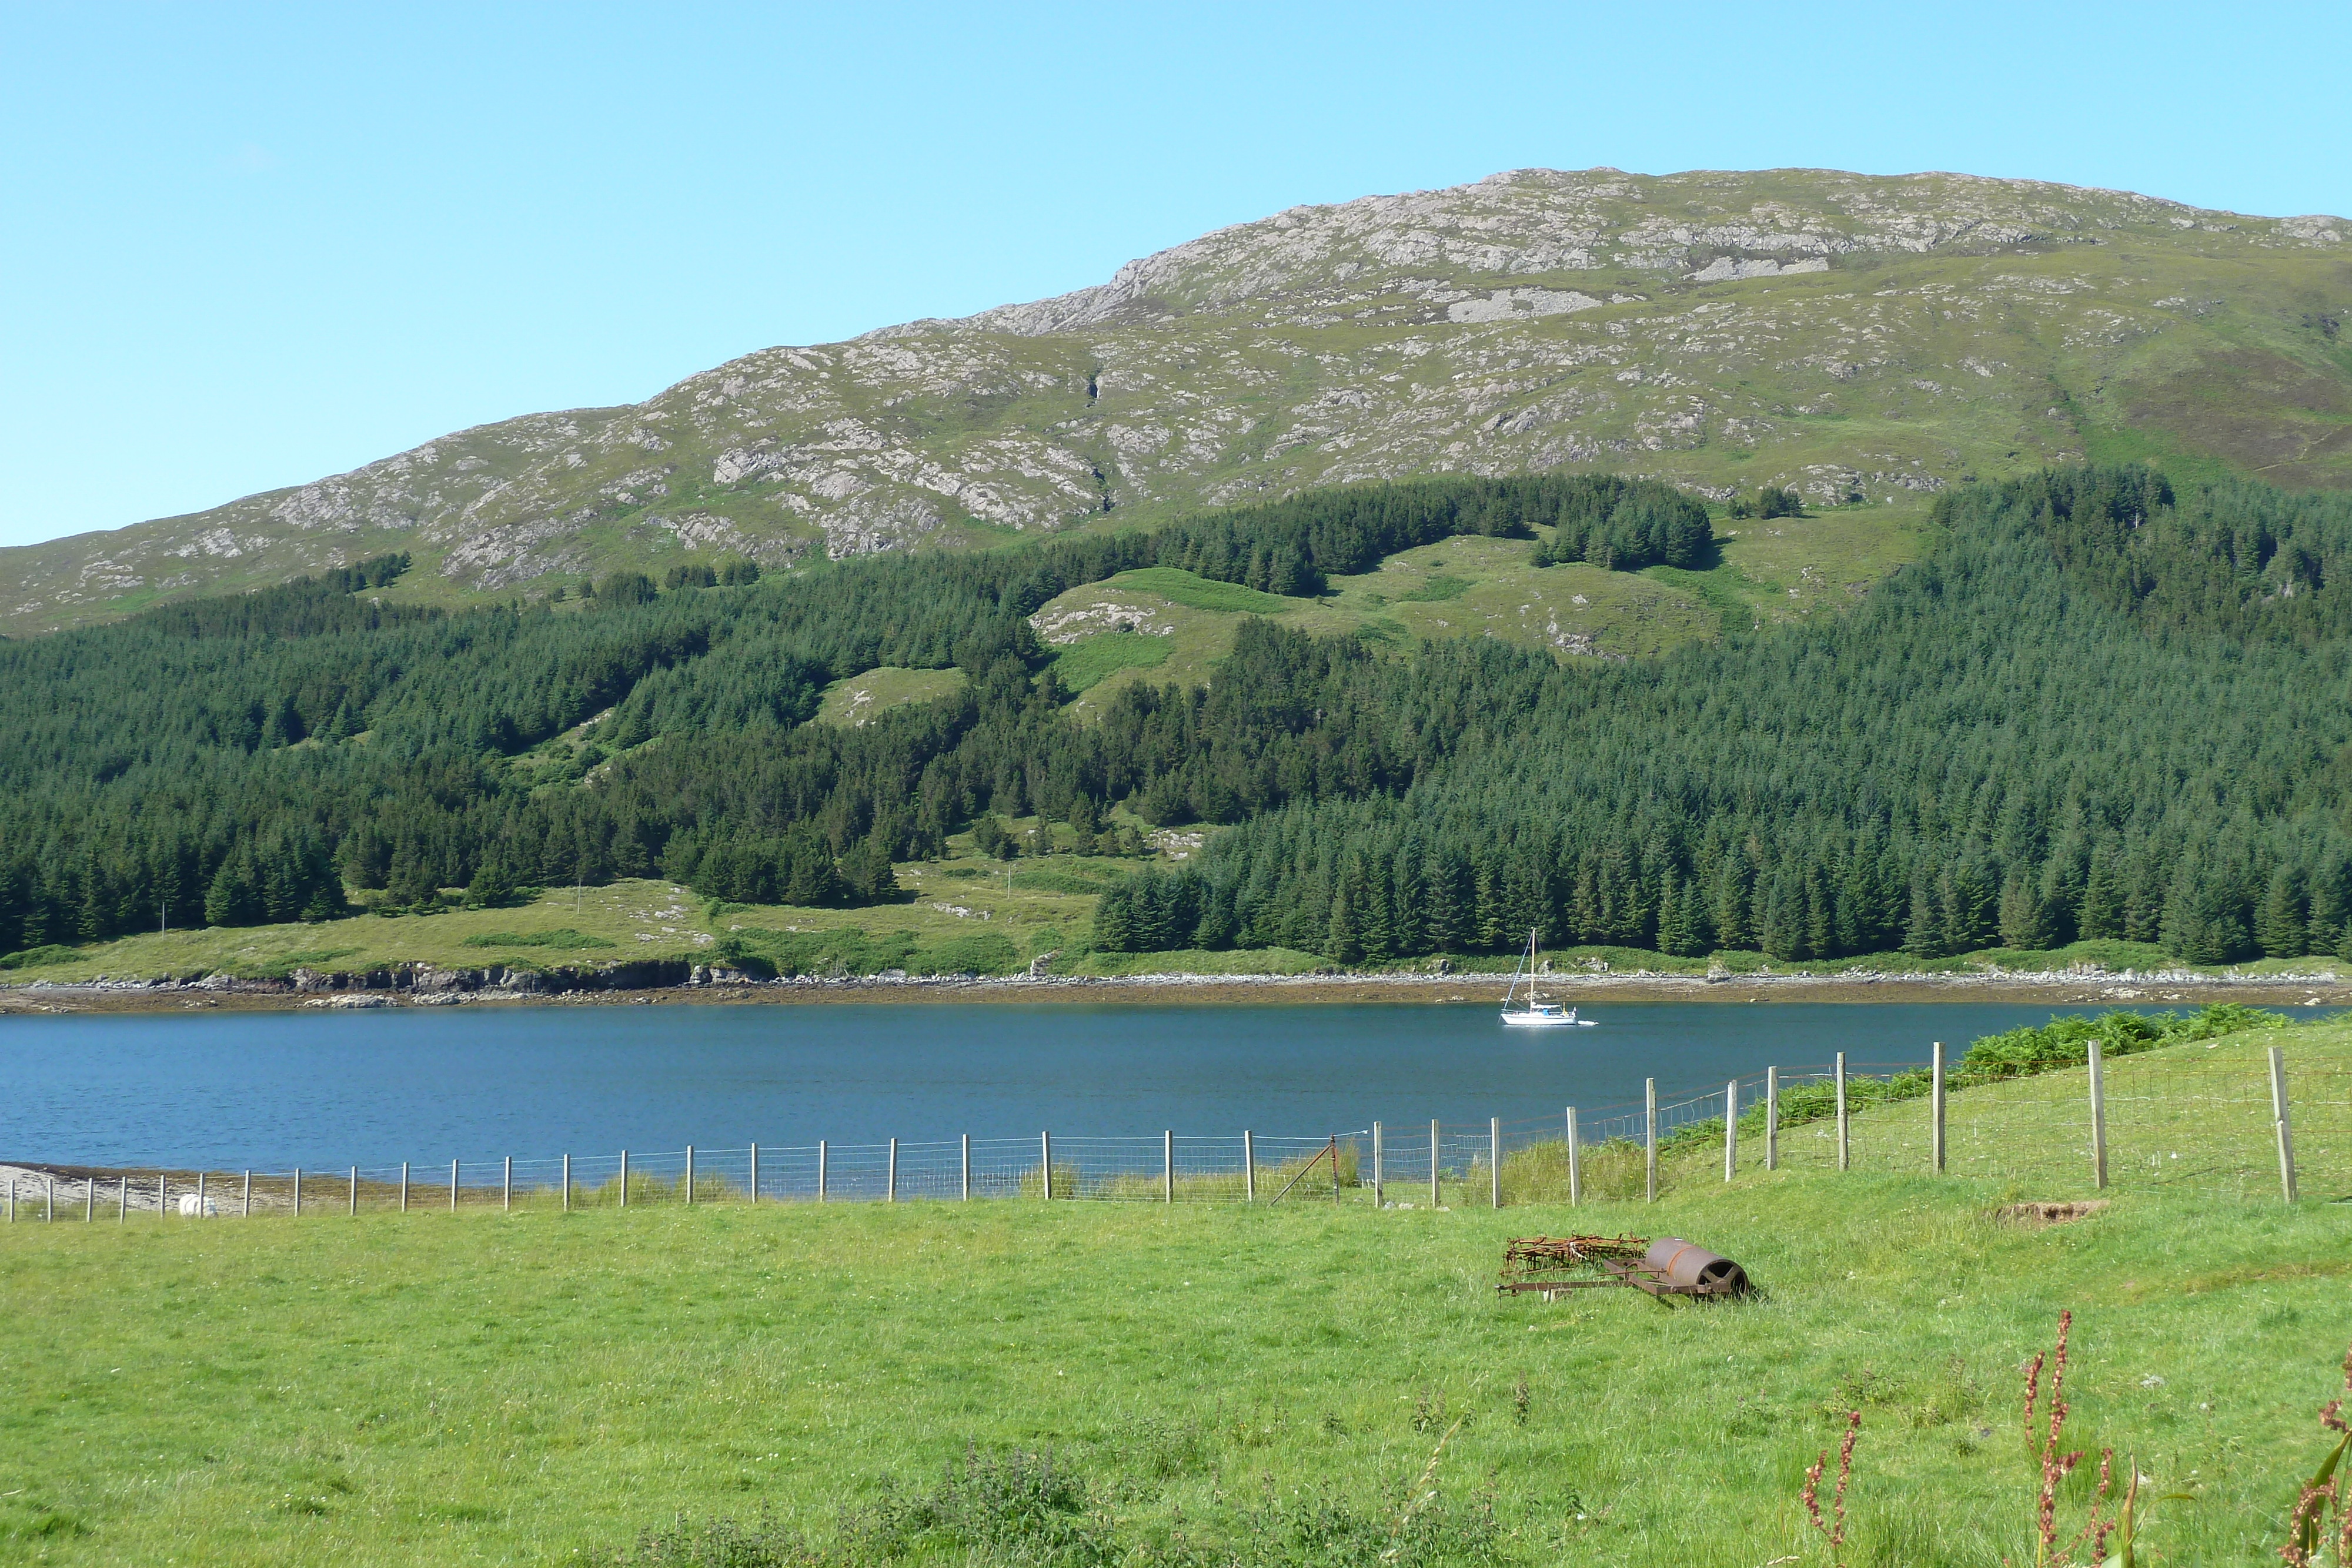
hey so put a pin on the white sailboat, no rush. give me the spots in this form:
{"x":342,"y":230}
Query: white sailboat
{"x":1535,"y":1012}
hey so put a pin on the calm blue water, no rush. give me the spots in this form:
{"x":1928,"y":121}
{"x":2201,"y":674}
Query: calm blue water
{"x":272,"y":1090}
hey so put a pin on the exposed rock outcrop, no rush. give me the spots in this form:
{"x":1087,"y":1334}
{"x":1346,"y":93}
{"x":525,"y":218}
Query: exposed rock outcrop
{"x":1692,"y":327}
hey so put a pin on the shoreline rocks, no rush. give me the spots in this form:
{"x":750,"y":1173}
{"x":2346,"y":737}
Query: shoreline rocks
{"x":426,"y":985}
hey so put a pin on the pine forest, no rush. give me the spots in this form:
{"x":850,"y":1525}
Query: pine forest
{"x":2101,"y":706}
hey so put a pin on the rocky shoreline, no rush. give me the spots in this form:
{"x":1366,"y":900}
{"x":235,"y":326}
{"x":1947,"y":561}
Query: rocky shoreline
{"x":683,"y":980}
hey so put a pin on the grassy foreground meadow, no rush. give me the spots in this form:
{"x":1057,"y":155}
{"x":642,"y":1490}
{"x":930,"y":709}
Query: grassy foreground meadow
{"x":1293,"y":1383}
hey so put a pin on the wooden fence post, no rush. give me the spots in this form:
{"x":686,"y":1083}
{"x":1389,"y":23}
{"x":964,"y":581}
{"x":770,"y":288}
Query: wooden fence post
{"x":1650,"y":1137}
{"x":453,"y":1187}
{"x":248,"y":1194}
{"x":88,"y":1199}
{"x":1771,"y":1118}
{"x":1249,"y":1167}
{"x":625,"y":1178}
{"x":404,"y":1186}
{"x":567,"y":1183}
{"x":200,"y":1194}
{"x":1333,"y":1148}
{"x":298,"y":1192}
{"x":966,"y":1167}
{"x":890,"y":1176}
{"x":1495,"y":1160}
{"x":1168,"y":1165}
{"x":1045,"y":1162}
{"x":12,"y":1200}
{"x":2279,"y":1120}
{"x":689,"y":1176}
{"x":163,"y":1195}
{"x":2099,"y":1119}
{"x":820,"y":1170}
{"x":1846,"y":1145}
{"x":1433,"y":1194}
{"x":1575,"y":1174}
{"x":48,"y":1199}
{"x":1935,"y":1117}
{"x":755,"y":1172}
{"x":123,"y":1202}
{"x":1731,"y":1129}
{"x":506,"y":1186}
{"x":1379,"y":1185}
{"x":355,"y":1192}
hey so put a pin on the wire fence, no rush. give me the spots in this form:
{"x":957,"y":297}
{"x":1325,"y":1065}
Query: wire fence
{"x":2227,"y":1116}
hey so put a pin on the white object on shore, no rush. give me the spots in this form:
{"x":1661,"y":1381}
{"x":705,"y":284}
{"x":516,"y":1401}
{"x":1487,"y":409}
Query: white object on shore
{"x":196,"y":1208}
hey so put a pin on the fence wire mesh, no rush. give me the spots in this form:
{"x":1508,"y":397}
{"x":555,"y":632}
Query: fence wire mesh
{"x":2322,"y":1123}
{"x":2200,"y":1116}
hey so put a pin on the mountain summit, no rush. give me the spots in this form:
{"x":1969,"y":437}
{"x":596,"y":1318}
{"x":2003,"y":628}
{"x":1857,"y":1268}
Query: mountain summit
{"x":1851,"y":335}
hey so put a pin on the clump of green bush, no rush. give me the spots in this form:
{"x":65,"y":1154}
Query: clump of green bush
{"x":1030,"y":1507}
{"x":37,"y":958}
{"x":850,"y":951}
{"x":563,"y":938}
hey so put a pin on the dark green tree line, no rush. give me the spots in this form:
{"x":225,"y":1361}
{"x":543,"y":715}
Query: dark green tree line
{"x":239,"y":759}
{"x":1624,"y":525}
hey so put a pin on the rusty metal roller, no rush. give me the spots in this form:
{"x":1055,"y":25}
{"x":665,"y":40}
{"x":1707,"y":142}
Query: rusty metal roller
{"x":1695,"y":1268}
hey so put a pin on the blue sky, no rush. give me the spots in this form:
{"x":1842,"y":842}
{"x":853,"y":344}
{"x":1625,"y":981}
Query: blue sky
{"x":243,"y":246}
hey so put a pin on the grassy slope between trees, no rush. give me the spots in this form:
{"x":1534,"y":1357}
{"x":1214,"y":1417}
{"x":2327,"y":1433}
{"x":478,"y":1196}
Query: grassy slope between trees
{"x":1765,"y":572}
{"x":1214,"y":1383}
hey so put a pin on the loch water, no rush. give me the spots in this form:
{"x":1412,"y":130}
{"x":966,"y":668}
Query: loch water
{"x":230,"y":1090}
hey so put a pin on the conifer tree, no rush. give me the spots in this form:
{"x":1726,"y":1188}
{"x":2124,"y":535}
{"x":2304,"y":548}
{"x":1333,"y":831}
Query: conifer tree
{"x":492,"y":886}
{"x":232,"y":900}
{"x":867,"y":871}
{"x":1729,"y":907}
{"x":2024,"y":919}
{"x":2281,"y":927}
{"x":2101,"y":913}
{"x":1923,"y":928}
{"x":1340,"y":942}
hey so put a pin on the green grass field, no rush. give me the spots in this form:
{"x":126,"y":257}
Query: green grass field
{"x":851,"y":703}
{"x":1784,"y":569}
{"x":1198,"y":593}
{"x":1304,"y":1384}
{"x":1086,"y":665}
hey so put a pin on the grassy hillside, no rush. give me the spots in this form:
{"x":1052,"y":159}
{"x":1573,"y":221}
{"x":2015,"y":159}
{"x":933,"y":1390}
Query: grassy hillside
{"x":1850,"y":336}
{"x":857,"y":700}
{"x":1279,"y":1384}
{"x":595,"y":927}
{"x":1159,"y":625}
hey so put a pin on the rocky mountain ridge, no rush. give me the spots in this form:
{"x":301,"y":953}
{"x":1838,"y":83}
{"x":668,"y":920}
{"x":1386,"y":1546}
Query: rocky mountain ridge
{"x":1858,"y":337}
